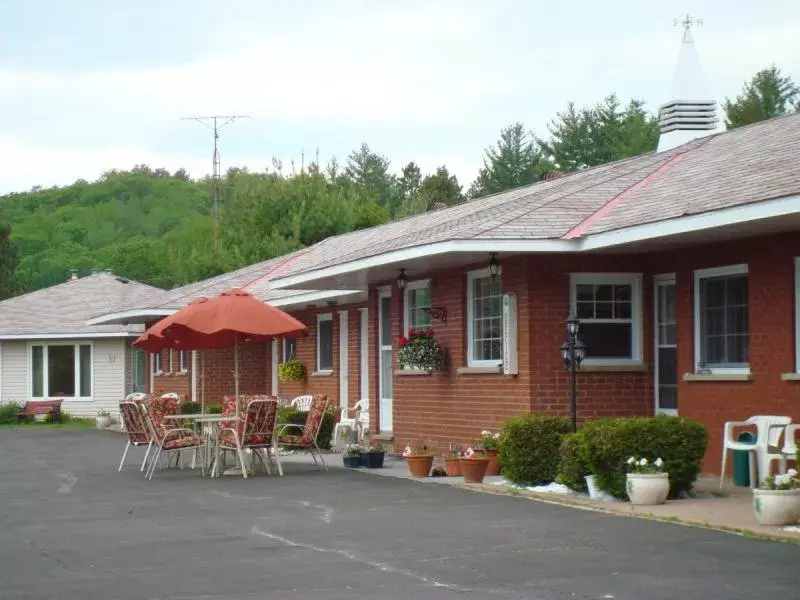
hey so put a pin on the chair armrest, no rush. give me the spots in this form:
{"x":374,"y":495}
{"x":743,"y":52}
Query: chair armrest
{"x":182,"y":430}
{"x":280,"y":429}
{"x":730,"y":425}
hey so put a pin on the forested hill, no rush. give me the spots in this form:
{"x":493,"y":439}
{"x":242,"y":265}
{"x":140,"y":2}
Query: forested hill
{"x":154,"y":226}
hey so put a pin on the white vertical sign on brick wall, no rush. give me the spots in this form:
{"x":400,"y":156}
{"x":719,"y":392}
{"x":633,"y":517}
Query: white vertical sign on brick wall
{"x":510,"y":351}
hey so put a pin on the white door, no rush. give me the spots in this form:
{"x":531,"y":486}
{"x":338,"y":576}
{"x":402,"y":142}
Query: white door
{"x":343,"y":358}
{"x":364,"y":356}
{"x":666,"y":350}
{"x":274,"y":367}
{"x":385,"y":355}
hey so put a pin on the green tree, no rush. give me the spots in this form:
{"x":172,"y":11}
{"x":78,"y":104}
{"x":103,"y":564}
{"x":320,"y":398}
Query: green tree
{"x":513,"y":162}
{"x":768,"y":94}
{"x":440,"y":188}
{"x":370,"y":171}
{"x":8,"y":264}
{"x":599,"y":134}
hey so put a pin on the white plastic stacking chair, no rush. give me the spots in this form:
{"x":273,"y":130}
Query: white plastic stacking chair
{"x":303,"y":403}
{"x":769,"y":430}
{"x":350,"y":418}
{"x":789,"y":449}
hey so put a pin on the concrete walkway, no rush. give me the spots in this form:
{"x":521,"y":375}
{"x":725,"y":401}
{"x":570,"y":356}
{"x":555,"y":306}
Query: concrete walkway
{"x":727,"y":510}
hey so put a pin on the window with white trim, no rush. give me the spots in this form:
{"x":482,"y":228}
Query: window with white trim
{"x":158,"y":363}
{"x":325,"y":343}
{"x":609,"y":308}
{"x":416,"y":302}
{"x":289,"y":349}
{"x":721,"y":327}
{"x":484,"y":319}
{"x":797,"y":314}
{"x":61,"y":371}
{"x":183,"y":361}
{"x":171,"y":368}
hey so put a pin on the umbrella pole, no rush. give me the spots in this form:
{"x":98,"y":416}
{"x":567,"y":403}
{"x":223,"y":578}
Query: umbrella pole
{"x":236,"y":371}
{"x":202,"y":382}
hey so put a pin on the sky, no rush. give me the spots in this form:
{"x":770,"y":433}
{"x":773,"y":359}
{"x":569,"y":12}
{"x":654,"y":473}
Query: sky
{"x":91,"y":85}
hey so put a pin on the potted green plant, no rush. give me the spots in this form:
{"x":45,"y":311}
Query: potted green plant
{"x":646,"y":482}
{"x":352,"y":456}
{"x":419,"y":460}
{"x":372,"y":456}
{"x":474,"y":465}
{"x":291,"y":370}
{"x":489,"y":443}
{"x":420,"y":350}
{"x":776,"y":501}
{"x":452,"y":464}
{"x":103,"y":419}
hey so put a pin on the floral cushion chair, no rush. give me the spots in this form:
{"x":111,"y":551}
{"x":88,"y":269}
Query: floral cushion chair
{"x":254,"y":430}
{"x":166,"y":437}
{"x":135,"y":426}
{"x":305,"y":436}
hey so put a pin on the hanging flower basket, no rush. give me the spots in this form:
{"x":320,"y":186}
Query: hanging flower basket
{"x":291,"y":370}
{"x":420,"y":350}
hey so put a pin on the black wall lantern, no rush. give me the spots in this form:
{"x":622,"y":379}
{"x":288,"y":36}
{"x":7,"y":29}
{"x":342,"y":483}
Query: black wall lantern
{"x":402,"y":279}
{"x":573,"y":351}
{"x":494,"y":265}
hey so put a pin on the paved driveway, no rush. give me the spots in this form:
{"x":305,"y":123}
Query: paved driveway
{"x":72,"y":527}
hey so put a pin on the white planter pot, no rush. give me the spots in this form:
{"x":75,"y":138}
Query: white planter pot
{"x":647,"y":490}
{"x":103,"y":422}
{"x":777,"y":507}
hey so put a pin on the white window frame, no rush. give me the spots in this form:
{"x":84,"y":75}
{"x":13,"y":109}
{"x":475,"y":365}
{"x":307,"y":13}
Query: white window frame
{"x":171,"y":368}
{"x":158,"y":363}
{"x":320,"y":319}
{"x":420,"y":284}
{"x":182,"y":354}
{"x":637,"y":330}
{"x":284,"y":344}
{"x":796,"y":314}
{"x":45,"y":379}
{"x":699,"y":275}
{"x":471,"y":277}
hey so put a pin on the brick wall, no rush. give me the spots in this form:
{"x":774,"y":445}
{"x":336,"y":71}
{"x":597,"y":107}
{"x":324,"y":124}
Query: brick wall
{"x":174,"y":381}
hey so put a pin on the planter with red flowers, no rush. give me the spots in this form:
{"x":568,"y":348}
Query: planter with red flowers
{"x":420,"y":351}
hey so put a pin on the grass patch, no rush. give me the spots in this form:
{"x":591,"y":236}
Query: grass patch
{"x":67,"y":422}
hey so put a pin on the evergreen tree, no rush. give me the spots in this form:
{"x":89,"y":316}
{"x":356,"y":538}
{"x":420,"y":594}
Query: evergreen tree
{"x":8,"y":264}
{"x":768,"y":94}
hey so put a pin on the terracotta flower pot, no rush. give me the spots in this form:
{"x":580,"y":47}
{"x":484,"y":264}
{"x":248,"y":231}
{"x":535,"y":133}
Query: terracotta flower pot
{"x":474,"y":469}
{"x":494,"y":462}
{"x":419,"y":466}
{"x":452,"y":466}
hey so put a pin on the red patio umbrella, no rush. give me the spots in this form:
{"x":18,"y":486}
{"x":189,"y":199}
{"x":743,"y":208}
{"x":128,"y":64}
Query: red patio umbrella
{"x":221,"y":322}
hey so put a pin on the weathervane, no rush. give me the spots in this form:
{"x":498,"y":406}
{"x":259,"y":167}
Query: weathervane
{"x":687,"y":22}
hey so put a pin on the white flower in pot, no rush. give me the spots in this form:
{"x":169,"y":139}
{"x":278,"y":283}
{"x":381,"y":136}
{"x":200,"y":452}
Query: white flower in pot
{"x":646,"y":483}
{"x":103,"y":419}
{"x":776,"y":501}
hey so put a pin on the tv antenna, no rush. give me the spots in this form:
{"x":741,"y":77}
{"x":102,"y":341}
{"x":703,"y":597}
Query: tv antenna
{"x":687,"y":22}
{"x":215,"y":123}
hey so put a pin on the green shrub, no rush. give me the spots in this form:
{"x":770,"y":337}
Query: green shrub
{"x":289,"y":414}
{"x":191,"y":408}
{"x":572,"y":470}
{"x":8,"y":412}
{"x":681,"y":443}
{"x":529,"y":448}
{"x":214,"y":409}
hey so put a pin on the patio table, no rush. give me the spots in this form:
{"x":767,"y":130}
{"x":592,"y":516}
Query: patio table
{"x":210,"y":423}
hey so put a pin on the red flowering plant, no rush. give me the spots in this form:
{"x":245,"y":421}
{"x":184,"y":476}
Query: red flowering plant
{"x":420,"y":350}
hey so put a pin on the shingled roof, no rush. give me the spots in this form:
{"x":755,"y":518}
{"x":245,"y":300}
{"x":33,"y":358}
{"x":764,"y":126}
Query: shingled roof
{"x":743,"y":166}
{"x":63,"y":309}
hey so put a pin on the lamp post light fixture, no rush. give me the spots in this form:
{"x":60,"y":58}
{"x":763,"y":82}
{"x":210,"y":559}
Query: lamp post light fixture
{"x":494,"y":265}
{"x":402,"y":279}
{"x":573,"y":351}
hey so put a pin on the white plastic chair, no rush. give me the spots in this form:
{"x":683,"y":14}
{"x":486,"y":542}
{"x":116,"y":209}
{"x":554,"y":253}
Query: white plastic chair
{"x":351,"y":418}
{"x":303,"y":403}
{"x":789,"y":449}
{"x":769,"y":429}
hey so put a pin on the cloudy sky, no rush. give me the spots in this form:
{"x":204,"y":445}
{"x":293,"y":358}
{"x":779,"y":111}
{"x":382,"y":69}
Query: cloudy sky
{"x":88,"y":85}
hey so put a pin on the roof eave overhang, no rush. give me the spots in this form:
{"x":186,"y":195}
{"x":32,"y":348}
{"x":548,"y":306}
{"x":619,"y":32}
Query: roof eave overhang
{"x":633,"y":236}
{"x":134,"y":315}
{"x":66,"y":336}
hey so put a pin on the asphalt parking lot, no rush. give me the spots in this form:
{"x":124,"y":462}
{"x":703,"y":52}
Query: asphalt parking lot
{"x":72,"y":527}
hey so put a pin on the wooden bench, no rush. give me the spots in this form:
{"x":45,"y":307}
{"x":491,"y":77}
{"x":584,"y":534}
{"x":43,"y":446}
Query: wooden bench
{"x":41,"y":407}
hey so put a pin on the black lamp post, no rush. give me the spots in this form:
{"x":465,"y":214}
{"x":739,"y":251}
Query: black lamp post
{"x":573,"y":351}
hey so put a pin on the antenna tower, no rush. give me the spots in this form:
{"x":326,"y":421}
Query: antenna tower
{"x":215,"y":123}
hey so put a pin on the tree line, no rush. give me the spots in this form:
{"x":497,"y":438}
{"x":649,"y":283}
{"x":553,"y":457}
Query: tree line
{"x":155,"y":226}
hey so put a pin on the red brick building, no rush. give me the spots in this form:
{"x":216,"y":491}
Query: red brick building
{"x":682,"y":266}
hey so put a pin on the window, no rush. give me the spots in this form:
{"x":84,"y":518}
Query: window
{"x":324,"y":343}
{"x":158,"y":363}
{"x":289,"y":349}
{"x":609,"y":307}
{"x":61,"y":371}
{"x":183,"y":361}
{"x":171,"y":369}
{"x":484,"y":319}
{"x":417,"y":299}
{"x":797,"y":313}
{"x":721,"y":320}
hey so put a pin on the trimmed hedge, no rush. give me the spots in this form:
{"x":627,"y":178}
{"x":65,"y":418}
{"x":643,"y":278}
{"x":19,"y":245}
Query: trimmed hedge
{"x":289,"y":414}
{"x":530,"y":448}
{"x":608,"y":443}
{"x":573,"y":470}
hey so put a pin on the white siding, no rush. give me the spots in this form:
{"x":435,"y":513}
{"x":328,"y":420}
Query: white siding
{"x":14,"y":372}
{"x":108,"y":381}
